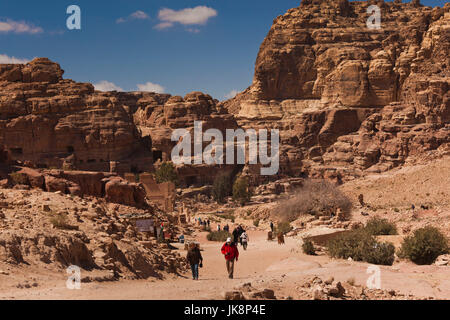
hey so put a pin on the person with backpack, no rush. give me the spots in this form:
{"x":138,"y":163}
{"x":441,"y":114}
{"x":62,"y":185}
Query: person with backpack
{"x":195,"y":259}
{"x":231,"y":253}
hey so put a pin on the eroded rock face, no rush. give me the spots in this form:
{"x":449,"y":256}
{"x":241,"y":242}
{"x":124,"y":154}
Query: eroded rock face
{"x":347,"y":98}
{"x":53,"y":122}
{"x":160,"y":119}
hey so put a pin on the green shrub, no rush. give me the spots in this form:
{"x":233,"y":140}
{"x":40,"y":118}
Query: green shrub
{"x":308,"y":247}
{"x":222,"y":188}
{"x":360,"y":245}
{"x":350,"y":244}
{"x":166,"y":173}
{"x":316,"y":198}
{"x":19,"y":178}
{"x":256,"y":222}
{"x":383,"y":253}
{"x":424,"y":246}
{"x":282,"y":227}
{"x":241,"y":191}
{"x":218,"y":236}
{"x":378,"y":227}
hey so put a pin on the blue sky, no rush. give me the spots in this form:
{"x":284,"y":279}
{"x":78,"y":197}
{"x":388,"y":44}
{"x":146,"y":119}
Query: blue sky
{"x":136,"y":42}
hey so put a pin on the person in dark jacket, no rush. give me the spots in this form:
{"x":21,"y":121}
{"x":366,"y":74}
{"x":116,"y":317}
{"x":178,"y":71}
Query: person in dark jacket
{"x":235,"y":234}
{"x":194,"y":257}
{"x":231,"y":253}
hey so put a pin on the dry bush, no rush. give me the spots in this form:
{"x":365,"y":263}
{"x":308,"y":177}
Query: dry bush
{"x":218,"y":236}
{"x":283,"y":227}
{"x":316,"y":198}
{"x":308,"y":248}
{"x":60,"y":221}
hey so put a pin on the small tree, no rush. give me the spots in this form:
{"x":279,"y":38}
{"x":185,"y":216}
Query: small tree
{"x":241,"y":192}
{"x":222,"y":187}
{"x":166,"y":173}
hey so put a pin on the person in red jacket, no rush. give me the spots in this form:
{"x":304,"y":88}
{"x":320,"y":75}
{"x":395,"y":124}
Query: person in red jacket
{"x":231,"y":253}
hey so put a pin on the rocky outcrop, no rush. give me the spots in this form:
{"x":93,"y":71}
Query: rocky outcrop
{"x":347,"y":98}
{"x":50,"y":231}
{"x":159,"y":120}
{"x":51,"y":122}
{"x":81,"y":183}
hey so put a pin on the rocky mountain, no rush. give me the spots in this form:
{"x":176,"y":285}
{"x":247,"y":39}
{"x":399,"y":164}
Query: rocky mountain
{"x":347,"y":98}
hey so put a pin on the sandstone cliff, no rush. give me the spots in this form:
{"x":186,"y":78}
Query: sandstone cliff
{"x":51,"y":122}
{"x":348,"y":98}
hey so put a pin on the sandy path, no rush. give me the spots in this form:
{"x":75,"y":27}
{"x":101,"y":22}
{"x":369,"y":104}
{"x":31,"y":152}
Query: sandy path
{"x":264,"y":264}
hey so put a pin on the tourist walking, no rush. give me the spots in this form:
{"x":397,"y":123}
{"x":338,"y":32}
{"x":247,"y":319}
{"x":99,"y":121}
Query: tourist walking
{"x":195,"y":259}
{"x":231,"y":253}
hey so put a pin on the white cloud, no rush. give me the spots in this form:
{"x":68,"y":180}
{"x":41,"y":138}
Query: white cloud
{"x":18,"y":27}
{"x":107,"y":86}
{"x":188,"y":16}
{"x":4,"y":59}
{"x":164,"y":25}
{"x":231,"y":94}
{"x":151,"y":87}
{"x":138,"y":15}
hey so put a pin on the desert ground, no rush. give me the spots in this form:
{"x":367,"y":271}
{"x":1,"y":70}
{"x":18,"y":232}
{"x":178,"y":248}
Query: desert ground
{"x":265,"y":265}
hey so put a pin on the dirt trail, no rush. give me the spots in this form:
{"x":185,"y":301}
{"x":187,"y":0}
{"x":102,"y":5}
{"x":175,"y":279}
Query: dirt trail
{"x":264,"y":264}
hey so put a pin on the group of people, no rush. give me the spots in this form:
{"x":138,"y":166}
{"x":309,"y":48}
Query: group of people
{"x":240,"y":236}
{"x":204,"y":223}
{"x":229,"y":250}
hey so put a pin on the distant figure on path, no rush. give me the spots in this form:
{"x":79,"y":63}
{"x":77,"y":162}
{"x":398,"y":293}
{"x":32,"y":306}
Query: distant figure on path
{"x":280,"y":238}
{"x":271,"y":226}
{"x":240,"y":232}
{"x":231,"y":253}
{"x":194,"y":257}
{"x":236,"y":235}
{"x":218,"y":227}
